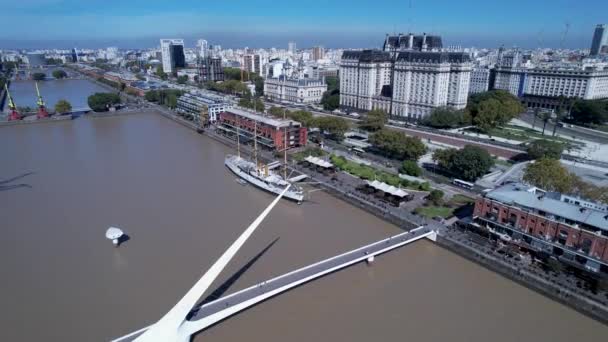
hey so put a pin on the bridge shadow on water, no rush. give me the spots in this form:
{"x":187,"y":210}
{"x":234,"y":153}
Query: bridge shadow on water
{"x":16,"y":178}
{"x":5,"y":186}
{"x":219,"y":292}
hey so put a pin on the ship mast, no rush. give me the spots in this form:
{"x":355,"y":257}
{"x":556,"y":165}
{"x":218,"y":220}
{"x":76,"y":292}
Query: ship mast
{"x":255,"y":134}
{"x":238,"y":139}
{"x":285,"y":149}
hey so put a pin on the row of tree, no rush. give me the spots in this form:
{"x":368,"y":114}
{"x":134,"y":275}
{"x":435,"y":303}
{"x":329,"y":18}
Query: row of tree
{"x":486,"y":111}
{"x":468,"y":163}
{"x":101,"y":102}
{"x":57,"y":73}
{"x":331,"y":98}
{"x":549,"y":174}
{"x":333,"y":126}
{"x":233,"y":87}
{"x":237,"y":74}
{"x":167,"y":97}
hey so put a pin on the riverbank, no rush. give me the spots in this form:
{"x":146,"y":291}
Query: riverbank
{"x":50,"y":119}
{"x":533,"y":282}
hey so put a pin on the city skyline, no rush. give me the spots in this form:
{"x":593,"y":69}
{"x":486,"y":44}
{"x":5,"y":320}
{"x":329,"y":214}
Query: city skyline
{"x":261,"y":23}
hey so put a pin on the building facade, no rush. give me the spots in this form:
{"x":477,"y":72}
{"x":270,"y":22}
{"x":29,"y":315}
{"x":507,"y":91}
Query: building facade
{"x":172,"y":54}
{"x":271,"y":134}
{"x":538,"y":86}
{"x":210,"y":69}
{"x":303,"y":90}
{"x":573,"y":230}
{"x":406,"y":84}
{"x":203,"y":48}
{"x":318,"y":53}
{"x":197,"y":105}
{"x":600,"y":40}
{"x":480,"y":80}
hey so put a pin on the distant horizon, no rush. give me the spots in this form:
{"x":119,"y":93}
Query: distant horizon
{"x":265,"y":23}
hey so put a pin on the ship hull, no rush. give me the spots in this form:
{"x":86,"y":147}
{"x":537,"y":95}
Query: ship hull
{"x":232,"y":166}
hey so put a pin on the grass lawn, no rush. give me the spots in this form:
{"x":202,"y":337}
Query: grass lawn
{"x":525,"y":134}
{"x":460,"y":200}
{"x":430,"y":212}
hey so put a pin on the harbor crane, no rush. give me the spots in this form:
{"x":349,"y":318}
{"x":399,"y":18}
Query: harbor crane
{"x":14,"y":115}
{"x":42,"y":112}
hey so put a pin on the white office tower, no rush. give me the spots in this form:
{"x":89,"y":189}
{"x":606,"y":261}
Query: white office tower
{"x":291,"y":47}
{"x":203,"y":48}
{"x":172,"y":54}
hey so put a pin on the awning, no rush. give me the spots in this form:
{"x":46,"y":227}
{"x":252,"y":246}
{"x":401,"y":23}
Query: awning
{"x":389,"y":189}
{"x":319,"y":162}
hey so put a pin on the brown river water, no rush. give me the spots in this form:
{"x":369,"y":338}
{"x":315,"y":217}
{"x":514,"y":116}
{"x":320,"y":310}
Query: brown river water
{"x":167,"y":187}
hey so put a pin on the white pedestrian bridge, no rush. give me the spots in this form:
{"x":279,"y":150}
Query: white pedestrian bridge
{"x":188,"y":318}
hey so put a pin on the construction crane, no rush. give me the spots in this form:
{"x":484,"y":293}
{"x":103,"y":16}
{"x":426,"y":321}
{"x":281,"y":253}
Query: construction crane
{"x":14,"y":115}
{"x":567,"y":28}
{"x":42,"y":113}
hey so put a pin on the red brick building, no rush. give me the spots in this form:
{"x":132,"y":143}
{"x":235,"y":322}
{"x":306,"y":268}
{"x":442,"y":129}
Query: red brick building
{"x":270,"y":131}
{"x":574,"y":230}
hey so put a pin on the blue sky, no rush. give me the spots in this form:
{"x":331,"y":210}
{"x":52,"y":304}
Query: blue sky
{"x":266,"y":23}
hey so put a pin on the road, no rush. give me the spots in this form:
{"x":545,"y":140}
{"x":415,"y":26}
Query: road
{"x":499,"y":151}
{"x":567,"y":131}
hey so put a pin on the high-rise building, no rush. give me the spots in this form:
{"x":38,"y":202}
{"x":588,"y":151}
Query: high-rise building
{"x":172,"y":51}
{"x":317,"y":53}
{"x":253,"y":63}
{"x":291,"y":47}
{"x":407,"y":80}
{"x":210,"y":69}
{"x":203,"y":48}
{"x":74,"y":55}
{"x":600,"y":39}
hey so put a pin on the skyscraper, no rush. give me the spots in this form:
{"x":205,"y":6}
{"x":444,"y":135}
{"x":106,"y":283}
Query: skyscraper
{"x":600,"y":39}
{"x":172,"y":51}
{"x":203,"y":48}
{"x":74,"y":56}
{"x":317,"y":53}
{"x":291,"y":47}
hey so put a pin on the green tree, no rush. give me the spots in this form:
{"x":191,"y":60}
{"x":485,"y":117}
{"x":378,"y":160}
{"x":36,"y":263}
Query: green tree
{"x":446,"y":117}
{"x":410,"y":167}
{"x":277,"y":111}
{"x":331,"y":100}
{"x":469,"y":163}
{"x":492,"y":109}
{"x":587,"y":112}
{"x":38,"y":76}
{"x":333,"y":83}
{"x":545,"y":116}
{"x":550,"y":175}
{"x":232,"y":74}
{"x":397,"y":145}
{"x":182,"y":79}
{"x":374,"y":120}
{"x":101,"y":102}
{"x":152,"y":96}
{"x":302,"y":116}
{"x":160,"y":72}
{"x":545,"y":149}
{"x":63,"y":106}
{"x":59,"y":74}
{"x":435,"y":197}
{"x":335,"y":127}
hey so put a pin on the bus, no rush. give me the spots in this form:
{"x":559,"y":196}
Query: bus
{"x":463,"y":184}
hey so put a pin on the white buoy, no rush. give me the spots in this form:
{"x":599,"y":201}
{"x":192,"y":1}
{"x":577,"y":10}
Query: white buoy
{"x":114,"y":234}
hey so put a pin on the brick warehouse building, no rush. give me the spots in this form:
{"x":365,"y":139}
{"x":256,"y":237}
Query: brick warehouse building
{"x":573,"y":230}
{"x":270,"y":131}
